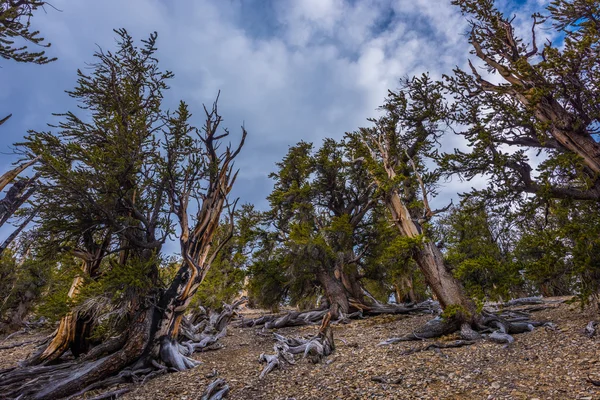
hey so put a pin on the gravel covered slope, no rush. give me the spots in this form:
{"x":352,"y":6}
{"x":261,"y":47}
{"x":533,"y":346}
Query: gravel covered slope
{"x":543,"y":364}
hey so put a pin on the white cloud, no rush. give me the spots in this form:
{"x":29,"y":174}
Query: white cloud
{"x":321,"y":68}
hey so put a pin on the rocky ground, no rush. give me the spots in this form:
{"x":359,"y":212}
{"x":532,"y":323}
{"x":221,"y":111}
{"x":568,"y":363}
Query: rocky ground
{"x":543,"y":364}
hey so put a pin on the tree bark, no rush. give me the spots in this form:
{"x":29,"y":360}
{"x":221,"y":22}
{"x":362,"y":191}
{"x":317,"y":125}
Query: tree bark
{"x":64,"y":336}
{"x":430,"y":260}
{"x":13,"y":173}
{"x":335,"y":292}
{"x":349,"y":279}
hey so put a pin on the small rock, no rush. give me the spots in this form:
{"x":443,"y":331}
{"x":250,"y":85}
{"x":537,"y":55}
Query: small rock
{"x":496,"y":385}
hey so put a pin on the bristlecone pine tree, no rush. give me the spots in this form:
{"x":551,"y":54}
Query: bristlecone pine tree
{"x":323,"y":227}
{"x":396,"y":151}
{"x":15,"y":25}
{"x":110,"y":183}
{"x":546,"y":103}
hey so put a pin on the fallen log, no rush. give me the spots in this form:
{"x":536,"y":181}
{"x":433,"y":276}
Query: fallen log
{"x":312,"y":317}
{"x":12,"y":346}
{"x":314,"y":348}
{"x":439,"y":345}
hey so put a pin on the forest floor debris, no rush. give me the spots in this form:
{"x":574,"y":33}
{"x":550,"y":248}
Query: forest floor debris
{"x":544,"y":364}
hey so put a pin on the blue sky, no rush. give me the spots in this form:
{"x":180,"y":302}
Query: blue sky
{"x":289,"y":70}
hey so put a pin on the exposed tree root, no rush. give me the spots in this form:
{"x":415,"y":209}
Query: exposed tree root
{"x":315,"y":348}
{"x":500,"y":337}
{"x":26,"y":328}
{"x":217,"y":390}
{"x":12,"y":346}
{"x":197,"y":337}
{"x":496,"y":326}
{"x":277,"y":360}
{"x":593,"y":381}
{"x":432,"y":329}
{"x":310,"y":317}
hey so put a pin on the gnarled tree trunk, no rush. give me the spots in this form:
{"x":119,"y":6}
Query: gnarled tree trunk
{"x":336,"y":294}
{"x":75,"y":328}
{"x":70,"y":332}
{"x":430,"y":260}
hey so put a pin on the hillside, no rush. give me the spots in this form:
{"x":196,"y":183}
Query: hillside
{"x":543,"y":364}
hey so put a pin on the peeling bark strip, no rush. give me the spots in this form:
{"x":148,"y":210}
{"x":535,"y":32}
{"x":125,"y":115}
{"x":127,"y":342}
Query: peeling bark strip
{"x":13,"y":173}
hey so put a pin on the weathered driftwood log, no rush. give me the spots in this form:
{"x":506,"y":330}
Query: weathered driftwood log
{"x":314,"y":348}
{"x":311,"y":317}
{"x":277,"y":360}
{"x":524,"y":301}
{"x":590,"y":329}
{"x":203,"y":336}
{"x":500,"y":337}
{"x":433,"y":328}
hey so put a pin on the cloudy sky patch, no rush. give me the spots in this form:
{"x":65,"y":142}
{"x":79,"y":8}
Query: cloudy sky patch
{"x":289,"y":70}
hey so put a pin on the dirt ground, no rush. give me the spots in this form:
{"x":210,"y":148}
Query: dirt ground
{"x":543,"y":364}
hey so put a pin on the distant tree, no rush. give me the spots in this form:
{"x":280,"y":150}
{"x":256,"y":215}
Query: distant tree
{"x":558,"y":248}
{"x":388,"y":267}
{"x":479,"y":248}
{"x":25,"y":274}
{"x":318,"y":209}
